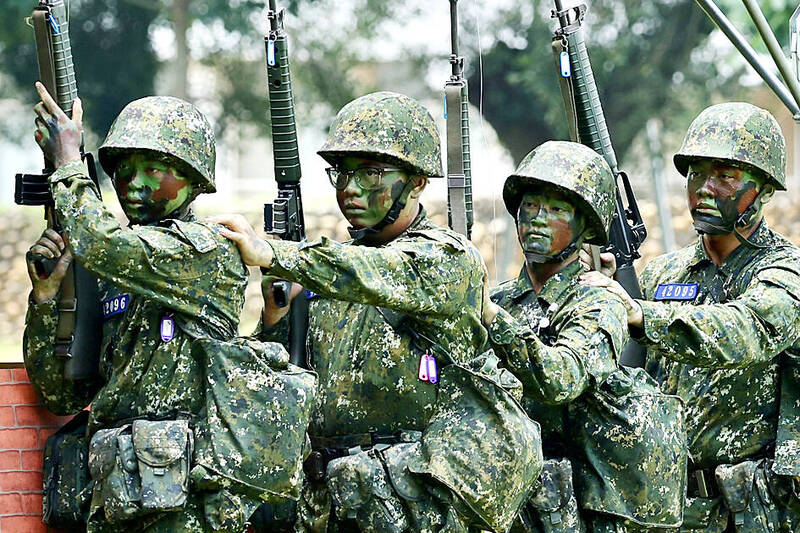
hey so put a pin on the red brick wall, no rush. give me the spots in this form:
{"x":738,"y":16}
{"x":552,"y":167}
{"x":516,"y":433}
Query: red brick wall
{"x":24,"y":427}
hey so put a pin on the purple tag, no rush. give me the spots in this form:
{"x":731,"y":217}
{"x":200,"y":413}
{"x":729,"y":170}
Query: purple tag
{"x":167,"y":328}
{"x":433,"y":371}
{"x":423,"y":367}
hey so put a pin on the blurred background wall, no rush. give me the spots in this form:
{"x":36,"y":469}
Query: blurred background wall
{"x":657,"y":64}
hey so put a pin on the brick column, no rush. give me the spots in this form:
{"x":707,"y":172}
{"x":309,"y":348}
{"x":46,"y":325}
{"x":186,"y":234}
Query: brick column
{"x":24,"y":428}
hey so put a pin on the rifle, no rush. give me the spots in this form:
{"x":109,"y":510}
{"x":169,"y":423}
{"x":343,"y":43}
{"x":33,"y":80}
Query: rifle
{"x":284,"y":217}
{"x":456,"y":112}
{"x":588,"y":126}
{"x":79,"y":320}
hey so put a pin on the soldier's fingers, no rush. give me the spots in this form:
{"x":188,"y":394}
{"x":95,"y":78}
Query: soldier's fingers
{"x":231,"y":235}
{"x":595,"y":279}
{"x":54,"y":236}
{"x":62,"y":265}
{"x":39,"y":249}
{"x":50,"y":245}
{"x":49,"y":103}
{"x":77,"y":113}
{"x":42,"y":113}
{"x":296,"y":290}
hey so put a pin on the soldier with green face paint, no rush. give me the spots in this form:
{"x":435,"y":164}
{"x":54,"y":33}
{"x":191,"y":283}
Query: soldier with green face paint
{"x":388,"y":311}
{"x":166,"y":280}
{"x":721,"y":320}
{"x":563,"y":341}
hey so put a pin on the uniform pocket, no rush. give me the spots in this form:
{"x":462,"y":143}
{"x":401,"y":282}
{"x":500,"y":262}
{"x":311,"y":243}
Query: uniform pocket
{"x":162,"y":450}
{"x":555,"y":502}
{"x":117,"y":487}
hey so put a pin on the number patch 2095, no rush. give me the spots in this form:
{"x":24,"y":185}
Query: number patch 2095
{"x":116,"y":305}
{"x":676,"y":291}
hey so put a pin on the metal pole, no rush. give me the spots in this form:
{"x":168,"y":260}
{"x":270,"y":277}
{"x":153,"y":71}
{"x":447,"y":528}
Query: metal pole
{"x":747,"y":51}
{"x":774,"y":48}
{"x":660,"y":194}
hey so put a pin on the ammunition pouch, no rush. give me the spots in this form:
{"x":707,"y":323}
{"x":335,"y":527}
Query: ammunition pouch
{"x":361,"y":490}
{"x":736,"y":484}
{"x":65,"y":502}
{"x":141,"y":468}
{"x":554,"y":502}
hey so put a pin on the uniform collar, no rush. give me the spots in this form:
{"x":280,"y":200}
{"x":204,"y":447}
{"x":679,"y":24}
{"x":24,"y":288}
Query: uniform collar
{"x":555,"y":288}
{"x":740,"y":255}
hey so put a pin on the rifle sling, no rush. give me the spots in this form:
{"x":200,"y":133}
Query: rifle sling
{"x":67,"y":307}
{"x":567,"y":90}
{"x":456,"y":179}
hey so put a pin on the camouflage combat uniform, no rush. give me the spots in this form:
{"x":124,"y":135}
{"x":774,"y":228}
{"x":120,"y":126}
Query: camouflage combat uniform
{"x":377,"y":315}
{"x":368,"y":370}
{"x":177,"y":268}
{"x":722,"y":351}
{"x":725,"y":338}
{"x":564,"y":343}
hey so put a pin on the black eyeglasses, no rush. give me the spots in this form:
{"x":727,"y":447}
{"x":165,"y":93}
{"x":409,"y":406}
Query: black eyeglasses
{"x":368,"y":178}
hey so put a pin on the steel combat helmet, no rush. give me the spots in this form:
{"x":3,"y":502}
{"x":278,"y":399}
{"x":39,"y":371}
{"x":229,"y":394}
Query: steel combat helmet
{"x":391,"y":125}
{"x":170,"y":127}
{"x":737,"y":132}
{"x":575,"y":170}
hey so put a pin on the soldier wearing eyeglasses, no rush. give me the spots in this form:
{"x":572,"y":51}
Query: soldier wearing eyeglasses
{"x":383,"y":305}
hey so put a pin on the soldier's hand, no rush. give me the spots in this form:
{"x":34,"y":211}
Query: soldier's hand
{"x":254,"y":250}
{"x":50,"y":245}
{"x":634,"y":310}
{"x":272,"y":312}
{"x":490,"y":309}
{"x":57,"y":135}
{"x":608,"y":262}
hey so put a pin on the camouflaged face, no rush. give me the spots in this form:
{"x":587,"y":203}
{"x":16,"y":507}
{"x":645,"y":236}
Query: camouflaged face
{"x":573,"y":169}
{"x":164,"y":125}
{"x":738,"y":132}
{"x":390,"y":125}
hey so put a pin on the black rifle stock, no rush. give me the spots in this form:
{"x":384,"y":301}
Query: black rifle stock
{"x":588,"y":126}
{"x":78,"y":333}
{"x":459,"y":173}
{"x":284,"y":217}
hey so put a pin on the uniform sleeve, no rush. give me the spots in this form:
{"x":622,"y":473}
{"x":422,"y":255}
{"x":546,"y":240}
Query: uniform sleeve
{"x":586,"y":348}
{"x":163,"y":264}
{"x":424,"y":277}
{"x":45,"y":370}
{"x":752,"y":329}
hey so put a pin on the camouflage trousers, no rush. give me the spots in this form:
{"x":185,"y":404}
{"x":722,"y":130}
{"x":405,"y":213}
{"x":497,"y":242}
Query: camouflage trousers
{"x":758,"y":501}
{"x":362,"y":494}
{"x":219,"y":512}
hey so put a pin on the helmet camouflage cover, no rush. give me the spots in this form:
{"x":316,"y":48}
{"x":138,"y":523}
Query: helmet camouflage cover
{"x":739,"y":133}
{"x":170,"y":127}
{"x":390,"y":125}
{"x":573,"y":169}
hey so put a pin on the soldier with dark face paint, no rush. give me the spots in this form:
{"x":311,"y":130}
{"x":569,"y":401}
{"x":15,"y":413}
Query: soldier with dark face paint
{"x":165,"y":281}
{"x":563,"y":341}
{"x":389,"y":310}
{"x":721,"y":322}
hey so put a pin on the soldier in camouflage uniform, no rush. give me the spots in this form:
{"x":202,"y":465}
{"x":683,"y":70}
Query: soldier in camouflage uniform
{"x":165,"y":280}
{"x":387,"y":310}
{"x":721,"y":319}
{"x":563,"y":340}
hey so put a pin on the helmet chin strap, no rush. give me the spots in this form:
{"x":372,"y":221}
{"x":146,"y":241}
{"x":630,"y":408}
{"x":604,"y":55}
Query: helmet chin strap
{"x":571,"y":248}
{"x":732,"y":225}
{"x":358,"y":234}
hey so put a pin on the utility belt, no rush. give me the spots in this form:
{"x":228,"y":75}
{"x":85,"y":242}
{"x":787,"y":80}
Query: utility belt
{"x":140,"y":468}
{"x":326,"y":449}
